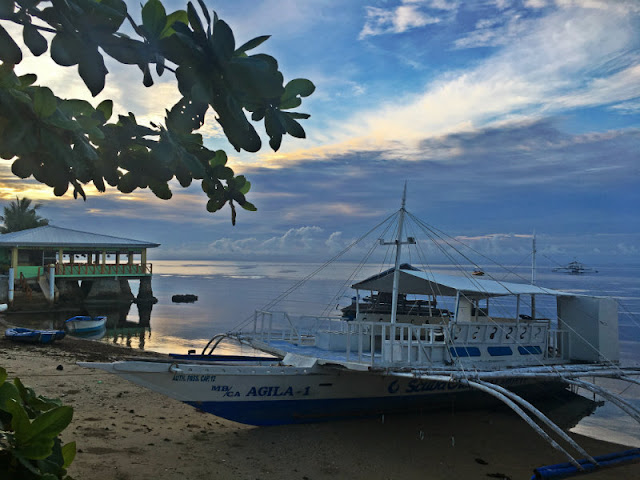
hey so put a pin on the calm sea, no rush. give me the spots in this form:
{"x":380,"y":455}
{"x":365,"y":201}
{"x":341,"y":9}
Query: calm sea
{"x":229,"y":292}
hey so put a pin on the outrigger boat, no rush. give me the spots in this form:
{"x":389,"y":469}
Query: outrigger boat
{"x":404,"y":348}
{"x":575,"y":268}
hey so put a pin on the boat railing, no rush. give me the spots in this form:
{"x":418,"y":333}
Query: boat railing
{"x":375,"y":343}
{"x":559,"y":345}
{"x":385,"y":343}
{"x":268,"y":325}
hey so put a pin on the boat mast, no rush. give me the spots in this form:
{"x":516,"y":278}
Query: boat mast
{"x":398,"y":243}
{"x":533,"y":260}
{"x":533,"y":274}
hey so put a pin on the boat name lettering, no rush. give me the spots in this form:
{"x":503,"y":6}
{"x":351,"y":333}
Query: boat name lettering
{"x":270,"y":392}
{"x":220,"y":388}
{"x":181,"y":377}
{"x":416,"y":386}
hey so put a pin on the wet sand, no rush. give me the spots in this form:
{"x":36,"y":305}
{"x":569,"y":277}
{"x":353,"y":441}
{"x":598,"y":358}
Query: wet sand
{"x":125,"y":432}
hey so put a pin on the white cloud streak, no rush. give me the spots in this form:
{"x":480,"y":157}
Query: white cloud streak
{"x":571,"y":58}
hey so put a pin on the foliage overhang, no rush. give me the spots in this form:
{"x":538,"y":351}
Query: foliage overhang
{"x":68,"y":143}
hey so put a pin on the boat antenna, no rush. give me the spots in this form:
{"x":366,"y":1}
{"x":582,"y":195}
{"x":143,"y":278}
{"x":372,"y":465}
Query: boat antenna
{"x":398,"y":243}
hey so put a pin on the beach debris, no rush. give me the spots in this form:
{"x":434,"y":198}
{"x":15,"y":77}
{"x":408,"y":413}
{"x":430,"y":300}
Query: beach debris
{"x":59,"y":367}
{"x":481,"y":461}
{"x":186,"y":298}
{"x":501,"y":476}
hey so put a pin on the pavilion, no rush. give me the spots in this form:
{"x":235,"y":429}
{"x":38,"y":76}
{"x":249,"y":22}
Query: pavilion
{"x":58,"y":258}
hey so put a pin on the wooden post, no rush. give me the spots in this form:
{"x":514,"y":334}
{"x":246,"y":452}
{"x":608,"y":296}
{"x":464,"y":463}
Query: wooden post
{"x":14,"y":258}
{"x":143,"y":260}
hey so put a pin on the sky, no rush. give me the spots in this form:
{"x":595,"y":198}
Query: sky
{"x":504,"y":117}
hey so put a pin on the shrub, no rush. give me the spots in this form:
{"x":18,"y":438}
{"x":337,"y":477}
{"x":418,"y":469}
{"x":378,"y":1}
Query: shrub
{"x":29,"y":430}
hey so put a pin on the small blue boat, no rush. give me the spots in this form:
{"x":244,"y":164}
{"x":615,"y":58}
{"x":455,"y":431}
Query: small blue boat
{"x":28,"y":335}
{"x":85,"y":324}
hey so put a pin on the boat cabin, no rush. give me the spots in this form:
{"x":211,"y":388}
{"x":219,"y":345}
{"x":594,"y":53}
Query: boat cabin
{"x":443,"y":319}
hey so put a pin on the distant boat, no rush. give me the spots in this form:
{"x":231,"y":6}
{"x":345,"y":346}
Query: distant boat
{"x":477,"y":273}
{"x":575,"y":268}
{"x":85,"y":324}
{"x":28,"y":335}
{"x":3,"y":307}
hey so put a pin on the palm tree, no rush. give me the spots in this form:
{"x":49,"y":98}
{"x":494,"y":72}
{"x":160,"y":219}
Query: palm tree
{"x":21,"y":215}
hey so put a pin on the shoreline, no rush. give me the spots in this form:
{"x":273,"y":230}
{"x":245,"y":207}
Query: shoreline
{"x":125,"y":432}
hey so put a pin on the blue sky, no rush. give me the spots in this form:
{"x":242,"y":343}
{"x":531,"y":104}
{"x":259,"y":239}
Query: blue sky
{"x":503,"y":117}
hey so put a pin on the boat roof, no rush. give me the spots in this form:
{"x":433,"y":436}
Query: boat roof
{"x":417,"y":281}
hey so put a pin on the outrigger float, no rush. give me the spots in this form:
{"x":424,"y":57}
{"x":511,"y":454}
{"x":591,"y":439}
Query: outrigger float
{"x":420,"y":340}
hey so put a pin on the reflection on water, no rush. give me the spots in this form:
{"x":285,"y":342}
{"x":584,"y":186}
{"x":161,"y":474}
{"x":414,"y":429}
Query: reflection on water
{"x":120,"y":329}
{"x":93,"y":335}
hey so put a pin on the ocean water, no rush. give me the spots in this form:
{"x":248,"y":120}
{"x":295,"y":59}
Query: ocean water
{"x":229,"y":292}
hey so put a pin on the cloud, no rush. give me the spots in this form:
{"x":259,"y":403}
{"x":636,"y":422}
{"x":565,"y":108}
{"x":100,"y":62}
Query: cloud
{"x":295,"y":242}
{"x":567,"y":59}
{"x":399,"y":19}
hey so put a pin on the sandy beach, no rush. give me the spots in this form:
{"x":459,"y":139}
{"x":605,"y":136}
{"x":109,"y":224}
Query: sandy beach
{"x":125,"y":432}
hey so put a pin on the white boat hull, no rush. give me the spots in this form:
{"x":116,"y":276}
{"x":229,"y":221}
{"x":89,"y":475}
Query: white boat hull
{"x":276,"y":394}
{"x":85,"y":325}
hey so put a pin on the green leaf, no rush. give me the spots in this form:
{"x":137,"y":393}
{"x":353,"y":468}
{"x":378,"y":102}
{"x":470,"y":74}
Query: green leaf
{"x":251,"y":44}
{"x":298,"y":115}
{"x":177,"y":16}
{"x":154,"y":18}
{"x":74,"y":107}
{"x":246,"y":187}
{"x":214,"y":204}
{"x":194,"y":20}
{"x":147,"y":79}
{"x":106,"y":107}
{"x":220,"y":159}
{"x":273,"y":123}
{"x":60,"y":190}
{"x":65,"y":49}
{"x":19,"y":419}
{"x":7,"y":392}
{"x":3,"y":376}
{"x":44,"y":102}
{"x":92,"y":70}
{"x":9,"y":51}
{"x":128,"y":182}
{"x":68,"y":453}
{"x":293,"y":128}
{"x":249,"y":206}
{"x":126,"y":50}
{"x":256,"y":76}
{"x":28,"y":79}
{"x":223,"y":173}
{"x":34,"y":40}
{"x":298,"y":87}
{"x":222,"y":41}
{"x":293,"y":102}
{"x":186,"y":115}
{"x":160,"y":189}
{"x":22,"y":167}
